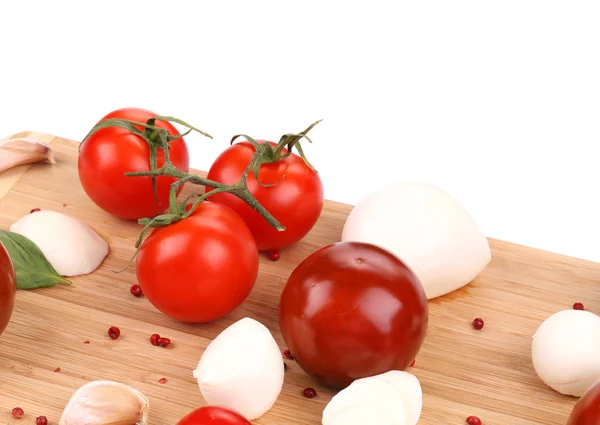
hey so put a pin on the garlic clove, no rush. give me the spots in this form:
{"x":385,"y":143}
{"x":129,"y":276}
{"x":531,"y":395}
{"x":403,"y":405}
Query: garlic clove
{"x":22,"y":150}
{"x":106,"y":403}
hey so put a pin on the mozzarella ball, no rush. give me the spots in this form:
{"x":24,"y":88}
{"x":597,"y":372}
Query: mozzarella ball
{"x":360,"y":415}
{"x":242,"y":369}
{"x":427,"y":229}
{"x":71,"y":246}
{"x":566,"y":351}
{"x":371,"y":393}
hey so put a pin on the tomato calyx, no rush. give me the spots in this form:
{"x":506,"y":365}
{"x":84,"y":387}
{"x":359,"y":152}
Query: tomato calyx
{"x":156,"y":137}
{"x":267,"y":154}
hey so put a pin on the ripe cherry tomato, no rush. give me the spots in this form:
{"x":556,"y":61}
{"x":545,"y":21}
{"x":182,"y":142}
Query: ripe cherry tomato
{"x":352,"y":310}
{"x":8,"y":288}
{"x":296,"y":201}
{"x":213,"y":415}
{"x":108,"y":154}
{"x":200,"y":268}
{"x":587,"y":409}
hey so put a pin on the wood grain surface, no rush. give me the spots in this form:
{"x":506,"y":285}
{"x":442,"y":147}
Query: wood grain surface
{"x":463,"y":372}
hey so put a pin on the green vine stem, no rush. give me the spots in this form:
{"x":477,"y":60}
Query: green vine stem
{"x":159,"y":138}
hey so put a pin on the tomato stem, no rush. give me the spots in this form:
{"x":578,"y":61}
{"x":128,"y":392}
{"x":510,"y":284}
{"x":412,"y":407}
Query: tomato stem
{"x":267,"y":154}
{"x":159,"y":138}
{"x":239,"y":189}
{"x":290,"y":140}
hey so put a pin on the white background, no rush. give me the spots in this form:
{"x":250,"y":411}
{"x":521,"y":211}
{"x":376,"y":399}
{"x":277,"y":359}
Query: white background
{"x":496,"y":102}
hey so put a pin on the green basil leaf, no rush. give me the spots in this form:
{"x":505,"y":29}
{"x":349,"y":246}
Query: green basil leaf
{"x":32,"y":269}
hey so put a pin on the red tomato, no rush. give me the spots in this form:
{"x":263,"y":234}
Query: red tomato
{"x":108,"y":154}
{"x":213,"y":415}
{"x":352,"y":310}
{"x":587,"y":409}
{"x":200,"y":268}
{"x":296,"y":201}
{"x":8,"y":288}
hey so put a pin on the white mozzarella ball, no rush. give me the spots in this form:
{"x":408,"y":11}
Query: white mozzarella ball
{"x":71,"y":246}
{"x":360,"y":415}
{"x":242,"y":369}
{"x":566,"y":351}
{"x":379,"y":395}
{"x":427,"y":229}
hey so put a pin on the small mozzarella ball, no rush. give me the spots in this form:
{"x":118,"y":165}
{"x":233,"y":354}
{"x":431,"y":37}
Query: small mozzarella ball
{"x":360,"y":415}
{"x":71,"y":246}
{"x":409,"y":388}
{"x":376,"y":394}
{"x":242,"y":369}
{"x":566,"y":351}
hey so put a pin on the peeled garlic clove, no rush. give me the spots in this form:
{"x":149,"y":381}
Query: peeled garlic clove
{"x":22,"y":150}
{"x":71,"y":246}
{"x":106,"y":403}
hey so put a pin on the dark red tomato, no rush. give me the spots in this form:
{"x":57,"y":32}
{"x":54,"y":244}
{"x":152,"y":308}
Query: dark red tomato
{"x":213,"y":415}
{"x":200,"y":268}
{"x":108,"y":154}
{"x":8,"y":288}
{"x":587,"y":409}
{"x":296,"y":201}
{"x":352,"y":310}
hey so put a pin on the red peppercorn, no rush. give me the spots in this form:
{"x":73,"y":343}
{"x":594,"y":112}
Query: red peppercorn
{"x":413,"y":363}
{"x":577,"y":306}
{"x":41,"y":420}
{"x":136,"y":290}
{"x":478,"y":323}
{"x":288,"y":355}
{"x":154,"y":339}
{"x":274,"y":255}
{"x":34,"y":210}
{"x":162,"y":380}
{"x":163,"y":342}
{"x":114,"y":332}
{"x":473,"y":420}
{"x":309,"y":392}
{"x":57,"y":369}
{"x":17,"y":413}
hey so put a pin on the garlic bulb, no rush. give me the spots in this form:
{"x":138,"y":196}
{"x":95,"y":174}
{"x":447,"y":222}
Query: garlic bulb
{"x":106,"y":403}
{"x":22,"y":150}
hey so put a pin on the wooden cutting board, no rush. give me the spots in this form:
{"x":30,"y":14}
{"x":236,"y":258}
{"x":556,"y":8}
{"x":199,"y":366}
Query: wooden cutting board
{"x":463,"y":372}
